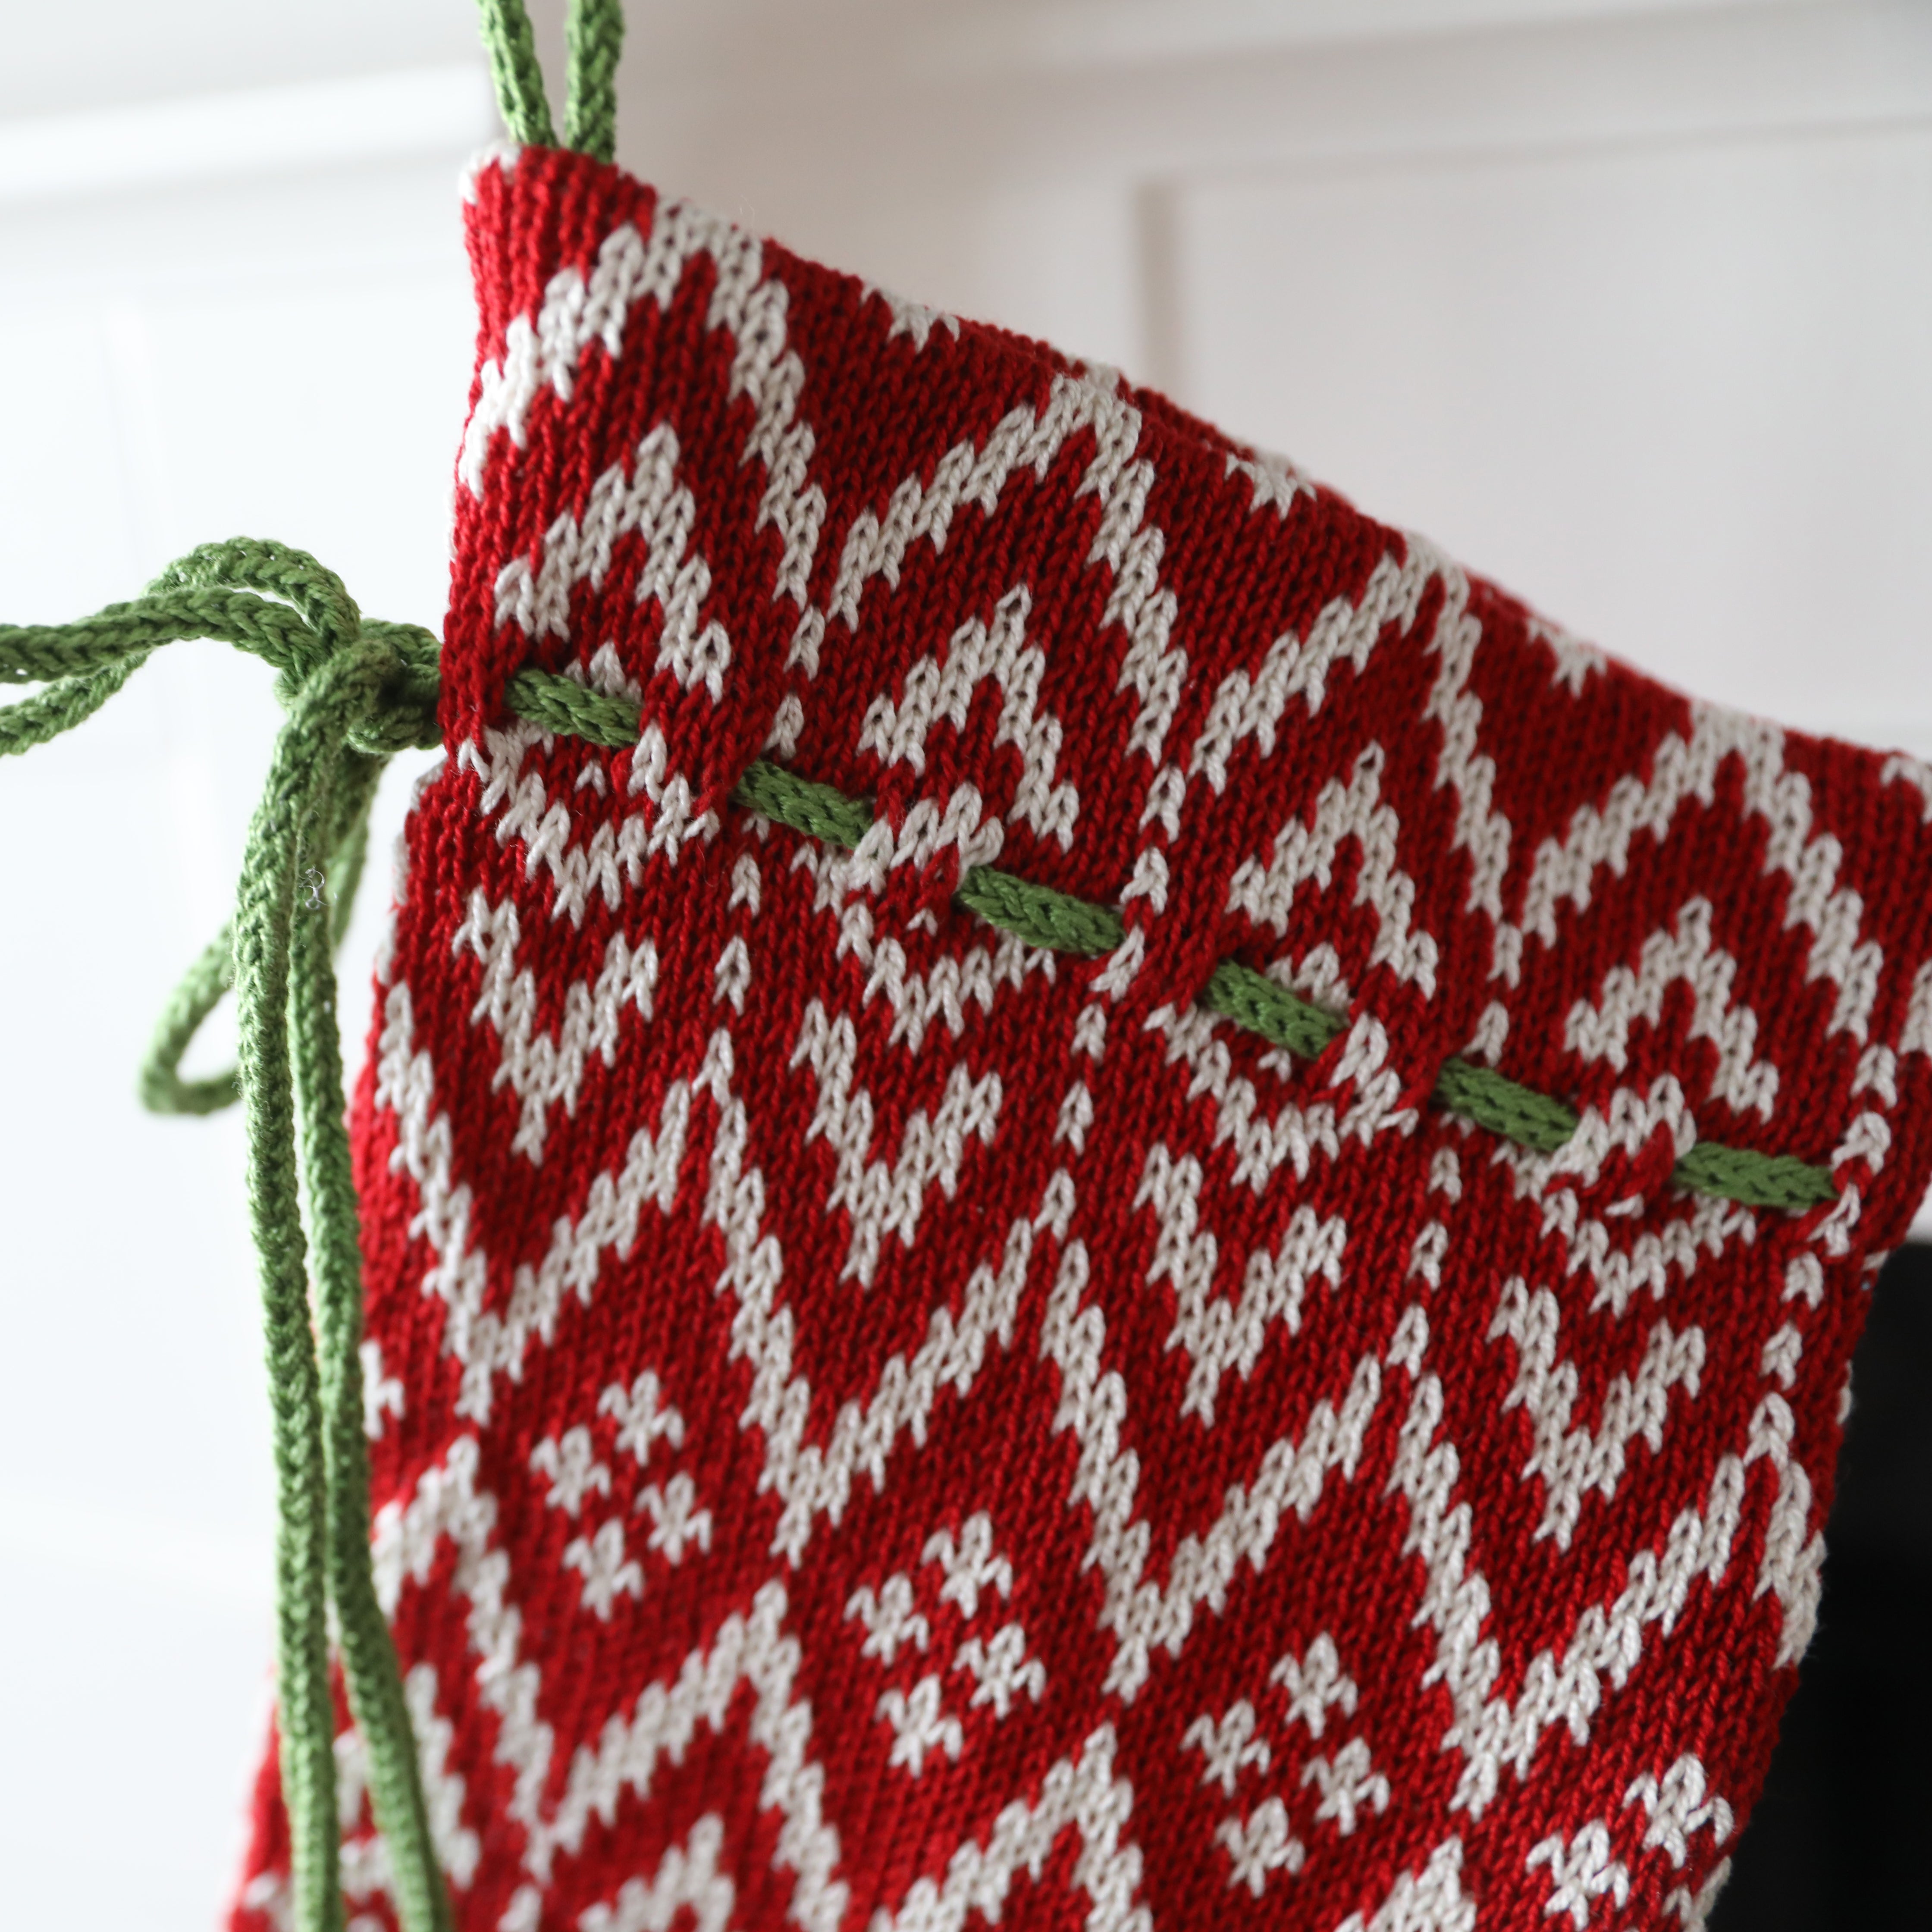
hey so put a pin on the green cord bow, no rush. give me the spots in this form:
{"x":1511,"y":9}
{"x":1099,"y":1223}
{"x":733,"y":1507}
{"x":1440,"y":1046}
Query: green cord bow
{"x":356,"y":692}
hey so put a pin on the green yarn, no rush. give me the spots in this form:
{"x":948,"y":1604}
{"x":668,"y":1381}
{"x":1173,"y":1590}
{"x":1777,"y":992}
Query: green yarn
{"x":817,"y":809}
{"x":161,"y":1088}
{"x":1481,"y":1094}
{"x":1039,"y":915}
{"x":593,"y":35}
{"x":514,"y":69}
{"x":368,"y":1652}
{"x":561,"y":704}
{"x":191,"y":598}
{"x":1042,"y":916}
{"x":1253,"y":1001}
{"x":1758,"y":1179}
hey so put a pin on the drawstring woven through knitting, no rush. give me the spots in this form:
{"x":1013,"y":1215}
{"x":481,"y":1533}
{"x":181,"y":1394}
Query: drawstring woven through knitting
{"x":358,"y":691}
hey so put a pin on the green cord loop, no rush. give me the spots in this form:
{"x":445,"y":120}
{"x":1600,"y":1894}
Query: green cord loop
{"x":357,"y":690}
{"x":593,"y":35}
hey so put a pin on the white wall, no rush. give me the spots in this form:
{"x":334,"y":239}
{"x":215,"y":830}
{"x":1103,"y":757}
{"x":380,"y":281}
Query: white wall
{"x":1629,"y":303}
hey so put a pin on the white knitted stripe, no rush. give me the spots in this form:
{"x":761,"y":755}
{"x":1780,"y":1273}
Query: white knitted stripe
{"x":1491,"y":1733}
{"x":544,"y":351}
{"x":1571,"y":1462}
{"x":1482,"y":832}
{"x":1081,"y":1794}
{"x":752,"y":1649}
{"x":1352,"y":814}
{"x":881,"y":1197}
{"x":447,"y":1503}
{"x":541,"y":1069}
{"x":649,"y":502}
{"x":687,"y":1879}
{"x":1273,"y":482}
{"x":1581,"y":1871}
{"x":919,"y":1001}
{"x":1219,"y":1333}
{"x":1094,"y":1403}
{"x":1292,"y":1135}
{"x":1623,"y":1263}
{"x":1682,"y":770}
{"x":980,"y":652}
{"x":612,"y":859}
{"x":485,"y":1342}
{"x":1430,"y":1900}
{"x":973,"y":474}
{"x":1690,"y":956}
{"x":1246,"y":707}
{"x":810,"y":1478}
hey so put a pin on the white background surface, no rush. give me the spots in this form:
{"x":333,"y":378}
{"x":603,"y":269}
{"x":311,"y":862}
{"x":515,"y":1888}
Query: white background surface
{"x":1630,"y":305}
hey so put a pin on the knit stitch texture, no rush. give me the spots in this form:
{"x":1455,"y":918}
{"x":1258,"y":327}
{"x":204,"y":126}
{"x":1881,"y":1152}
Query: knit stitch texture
{"x":876,"y":1424}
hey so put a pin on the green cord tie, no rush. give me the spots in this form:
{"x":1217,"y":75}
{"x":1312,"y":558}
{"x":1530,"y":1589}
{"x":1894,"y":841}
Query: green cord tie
{"x":356,"y":692}
{"x":593,"y":34}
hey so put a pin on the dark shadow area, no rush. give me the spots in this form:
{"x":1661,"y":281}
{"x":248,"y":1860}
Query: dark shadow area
{"x":1843,"y":1834}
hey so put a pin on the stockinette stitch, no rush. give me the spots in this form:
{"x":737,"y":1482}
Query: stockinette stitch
{"x":1087,"y":1195}
{"x":894,"y":1426}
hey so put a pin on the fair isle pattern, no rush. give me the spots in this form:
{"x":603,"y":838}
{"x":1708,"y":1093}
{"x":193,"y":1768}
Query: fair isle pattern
{"x":880,"y":1429}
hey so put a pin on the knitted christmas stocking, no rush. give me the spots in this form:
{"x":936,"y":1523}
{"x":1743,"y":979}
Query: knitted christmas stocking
{"x":1089,"y":1196}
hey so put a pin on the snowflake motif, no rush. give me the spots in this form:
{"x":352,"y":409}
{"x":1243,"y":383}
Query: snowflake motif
{"x":1002,"y":1668}
{"x":1348,"y":1784}
{"x":676,"y":1519}
{"x":607,"y":1571}
{"x":1261,"y":1845}
{"x":1582,"y":1871}
{"x":890,"y":1618}
{"x":971,"y":1564}
{"x":1315,"y":1684}
{"x":1229,"y":1748}
{"x":642,"y":1417}
{"x":920,"y":1725}
{"x":572,"y":1465}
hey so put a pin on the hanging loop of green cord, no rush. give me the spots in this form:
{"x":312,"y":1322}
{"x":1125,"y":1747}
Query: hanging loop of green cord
{"x":593,"y":41}
{"x":356,"y":692}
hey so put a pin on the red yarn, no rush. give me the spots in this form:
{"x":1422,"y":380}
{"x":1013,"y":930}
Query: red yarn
{"x":878,"y":1426}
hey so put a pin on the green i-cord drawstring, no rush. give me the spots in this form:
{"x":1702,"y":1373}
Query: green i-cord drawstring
{"x":357,"y":691}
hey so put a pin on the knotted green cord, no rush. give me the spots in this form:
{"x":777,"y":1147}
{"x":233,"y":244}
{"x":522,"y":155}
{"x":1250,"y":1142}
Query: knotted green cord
{"x":513,"y":68}
{"x":356,"y":692}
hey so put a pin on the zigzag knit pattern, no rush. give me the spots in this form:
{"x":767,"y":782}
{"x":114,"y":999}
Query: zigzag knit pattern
{"x":878,"y":1425}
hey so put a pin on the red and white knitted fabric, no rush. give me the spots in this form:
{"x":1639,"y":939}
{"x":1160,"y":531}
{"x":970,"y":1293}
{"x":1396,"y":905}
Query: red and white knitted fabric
{"x":879,"y":1426}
